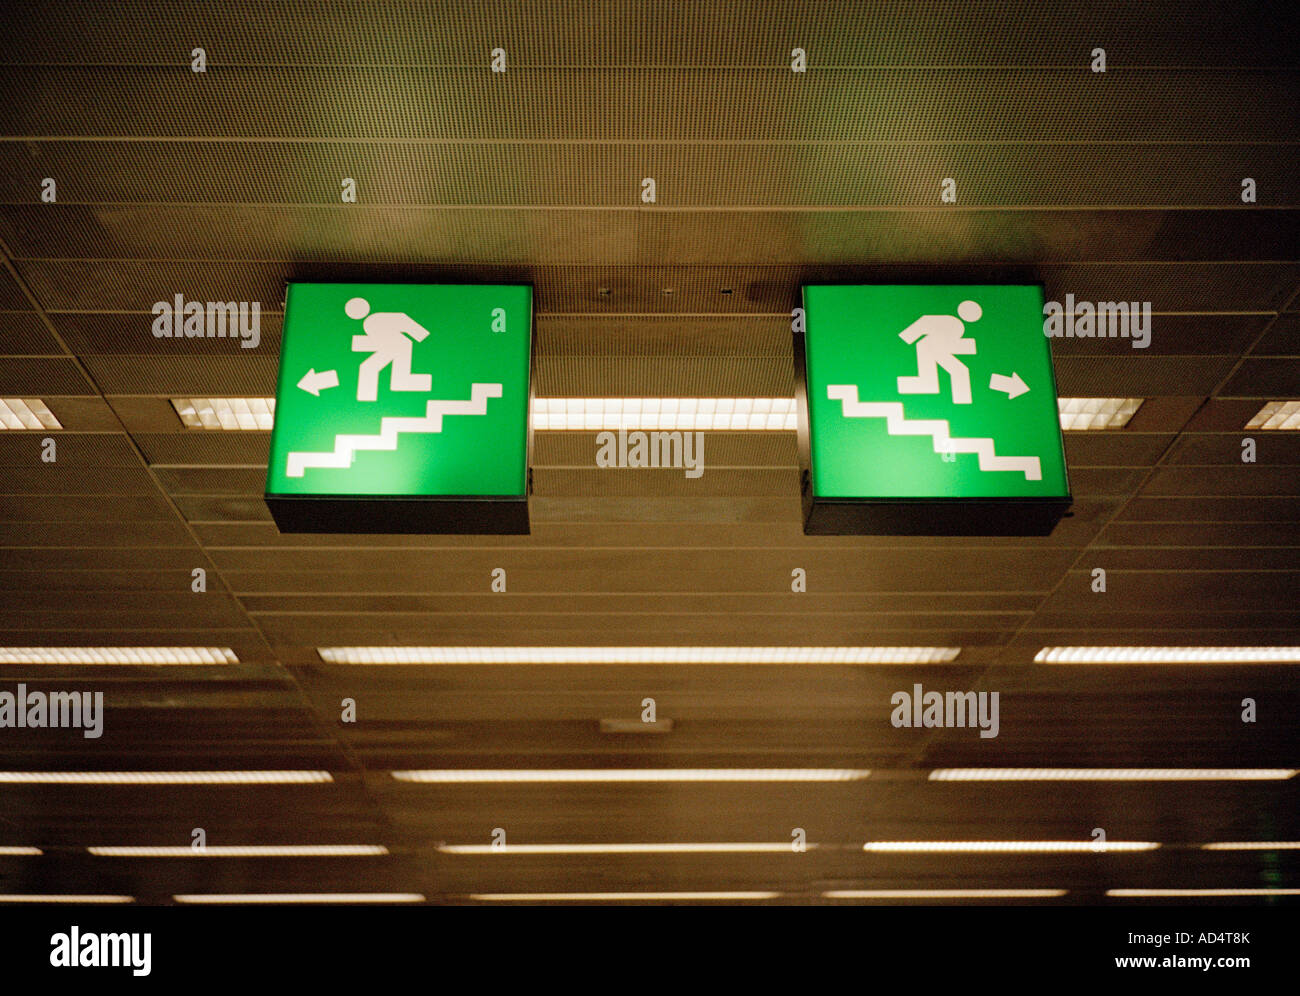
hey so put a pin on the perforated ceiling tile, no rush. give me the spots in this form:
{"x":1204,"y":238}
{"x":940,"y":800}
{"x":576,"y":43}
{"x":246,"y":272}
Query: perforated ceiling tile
{"x":96,"y":511}
{"x":664,"y":376}
{"x":962,"y":238}
{"x":247,"y":507}
{"x":133,"y":333}
{"x":664,"y":335}
{"x":1270,"y":377}
{"x":1115,"y":449}
{"x":363,"y":233}
{"x":662,"y":104}
{"x":212,"y":480}
{"x":1171,"y":334}
{"x":1282,"y":337}
{"x":1140,"y":376}
{"x":184,"y":376}
{"x":134,"y":285}
{"x":70,"y":480}
{"x":576,"y":175}
{"x":563,"y":32}
{"x":23,"y":333}
{"x":205,"y":448}
{"x":1242,"y":480}
{"x":41,"y":377}
{"x":665,"y":482}
{"x":77,"y":449}
{"x":11,"y":297}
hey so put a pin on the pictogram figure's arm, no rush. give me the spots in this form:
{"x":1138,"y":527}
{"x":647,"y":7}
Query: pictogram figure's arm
{"x":914,"y":331}
{"x":415,"y":330}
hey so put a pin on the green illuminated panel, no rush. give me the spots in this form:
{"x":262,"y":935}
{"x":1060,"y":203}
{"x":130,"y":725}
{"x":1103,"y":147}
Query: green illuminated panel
{"x":931,"y":392}
{"x":402,"y":391}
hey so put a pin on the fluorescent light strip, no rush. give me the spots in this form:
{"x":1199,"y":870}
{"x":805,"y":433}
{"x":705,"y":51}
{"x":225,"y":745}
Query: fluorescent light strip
{"x":639,"y":655}
{"x":65,"y":899}
{"x":1253,"y":845}
{"x":1003,"y":846}
{"x":245,"y":851}
{"x":164,"y":777}
{"x":276,"y":898}
{"x":26,"y":413}
{"x":1082,"y":414}
{"x":771,"y":414}
{"x":117,"y":655}
{"x":944,"y":893}
{"x":745,"y":414}
{"x":1153,"y":893}
{"x":1168,"y":655}
{"x":616,"y":897}
{"x":503,"y":775}
{"x":1109,"y":774}
{"x":225,"y":413}
{"x":68,"y":899}
{"x":1284,"y":415}
{"x":778,"y":848}
{"x":20,"y":851}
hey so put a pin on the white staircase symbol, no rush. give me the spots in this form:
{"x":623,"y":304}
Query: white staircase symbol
{"x":897,"y":425}
{"x":392,"y":427}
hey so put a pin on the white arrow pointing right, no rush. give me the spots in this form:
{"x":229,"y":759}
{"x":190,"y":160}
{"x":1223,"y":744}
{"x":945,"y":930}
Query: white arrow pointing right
{"x":313,"y":382}
{"x":1013,"y":386}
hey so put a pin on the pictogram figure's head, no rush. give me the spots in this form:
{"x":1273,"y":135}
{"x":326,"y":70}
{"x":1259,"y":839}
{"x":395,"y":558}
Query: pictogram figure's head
{"x":969,"y":311}
{"x":357,"y":308}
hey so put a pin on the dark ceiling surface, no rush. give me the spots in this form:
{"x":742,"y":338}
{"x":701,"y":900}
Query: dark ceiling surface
{"x":225,"y":185}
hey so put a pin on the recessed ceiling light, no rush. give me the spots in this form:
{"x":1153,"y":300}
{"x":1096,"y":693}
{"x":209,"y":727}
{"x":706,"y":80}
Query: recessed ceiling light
{"x":164,"y":777}
{"x":1003,"y":846}
{"x":1276,"y":415}
{"x":1096,"y":413}
{"x":745,"y":414}
{"x":520,"y":849}
{"x":1109,"y":774}
{"x":1128,"y":893}
{"x":1168,"y":655}
{"x":617,"y":897}
{"x":26,"y":413}
{"x":117,"y":655}
{"x":638,"y":655}
{"x":331,"y":898}
{"x":21,"y":851}
{"x":245,"y":851}
{"x":66,"y":899}
{"x":944,"y":893}
{"x":476,"y":776}
{"x":225,"y":413}
{"x":1253,"y":845}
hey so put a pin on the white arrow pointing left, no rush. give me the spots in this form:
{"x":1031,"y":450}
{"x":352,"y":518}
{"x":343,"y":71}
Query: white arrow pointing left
{"x":1013,"y":386}
{"x":313,"y":382}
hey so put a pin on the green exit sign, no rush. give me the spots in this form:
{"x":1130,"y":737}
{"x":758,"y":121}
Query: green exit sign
{"x":402,"y":408}
{"x":928,"y":410}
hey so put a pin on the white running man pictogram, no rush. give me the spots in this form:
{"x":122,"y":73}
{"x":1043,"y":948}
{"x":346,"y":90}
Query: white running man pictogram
{"x":940,"y":341}
{"x":386,"y":338}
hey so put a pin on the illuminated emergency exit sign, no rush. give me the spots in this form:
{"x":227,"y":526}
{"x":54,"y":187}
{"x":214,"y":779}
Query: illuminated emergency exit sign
{"x":402,"y":408}
{"x":928,"y":410}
